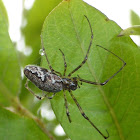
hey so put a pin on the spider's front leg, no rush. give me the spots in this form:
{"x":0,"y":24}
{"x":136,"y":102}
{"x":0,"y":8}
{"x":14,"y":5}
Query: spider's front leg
{"x":43,"y":48}
{"x":65,"y":64}
{"x":106,"y":81}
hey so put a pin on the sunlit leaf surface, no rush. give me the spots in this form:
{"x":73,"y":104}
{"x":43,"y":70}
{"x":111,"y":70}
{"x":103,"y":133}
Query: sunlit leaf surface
{"x":115,"y":106}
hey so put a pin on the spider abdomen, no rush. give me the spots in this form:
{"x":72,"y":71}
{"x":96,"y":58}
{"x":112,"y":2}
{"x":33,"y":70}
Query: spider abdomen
{"x":43,"y":78}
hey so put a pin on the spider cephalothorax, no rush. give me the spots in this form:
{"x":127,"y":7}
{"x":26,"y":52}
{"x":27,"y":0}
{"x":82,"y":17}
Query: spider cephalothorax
{"x":53,"y":81}
{"x":70,"y":83}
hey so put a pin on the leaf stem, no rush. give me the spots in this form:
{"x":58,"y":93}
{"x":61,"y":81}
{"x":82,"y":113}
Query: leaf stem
{"x":21,"y":110}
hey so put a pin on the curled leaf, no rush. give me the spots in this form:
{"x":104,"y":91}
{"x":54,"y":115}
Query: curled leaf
{"x":135,"y":30}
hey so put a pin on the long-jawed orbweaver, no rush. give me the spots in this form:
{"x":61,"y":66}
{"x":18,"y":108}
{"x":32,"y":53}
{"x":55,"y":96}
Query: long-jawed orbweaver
{"x":53,"y":81}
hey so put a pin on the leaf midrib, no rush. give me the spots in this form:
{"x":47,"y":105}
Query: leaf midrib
{"x":99,"y":87}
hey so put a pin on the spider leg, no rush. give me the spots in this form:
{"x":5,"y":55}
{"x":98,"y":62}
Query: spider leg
{"x":84,"y":115}
{"x":37,"y":96}
{"x":52,"y":70}
{"x":50,"y":97}
{"x":27,"y":87}
{"x":86,"y":57}
{"x":106,"y":81}
{"x":66,"y":105}
{"x":65,"y":64}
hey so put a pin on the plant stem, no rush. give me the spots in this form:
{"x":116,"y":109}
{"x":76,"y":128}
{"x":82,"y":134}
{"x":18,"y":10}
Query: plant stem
{"x":21,"y":110}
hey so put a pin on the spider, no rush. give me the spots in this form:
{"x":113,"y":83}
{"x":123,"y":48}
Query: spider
{"x":53,"y":81}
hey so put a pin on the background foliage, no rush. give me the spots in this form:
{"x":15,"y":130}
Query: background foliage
{"x":114,"y":107}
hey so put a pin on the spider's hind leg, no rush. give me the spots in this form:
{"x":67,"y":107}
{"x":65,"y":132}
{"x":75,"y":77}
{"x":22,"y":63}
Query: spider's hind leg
{"x":49,"y":97}
{"x":66,"y":105}
{"x":86,"y":117}
{"x":37,"y":96}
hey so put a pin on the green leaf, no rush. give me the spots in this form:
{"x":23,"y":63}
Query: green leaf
{"x":14,"y":127}
{"x":135,"y":30}
{"x":9,"y":65}
{"x":135,"y":19}
{"x":114,"y":107}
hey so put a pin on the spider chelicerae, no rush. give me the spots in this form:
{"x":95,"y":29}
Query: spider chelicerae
{"x":53,"y":81}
